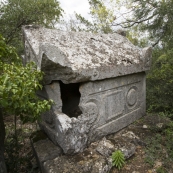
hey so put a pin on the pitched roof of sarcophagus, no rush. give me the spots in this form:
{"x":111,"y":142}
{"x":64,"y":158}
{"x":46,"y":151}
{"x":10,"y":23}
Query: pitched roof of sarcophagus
{"x":82,"y":56}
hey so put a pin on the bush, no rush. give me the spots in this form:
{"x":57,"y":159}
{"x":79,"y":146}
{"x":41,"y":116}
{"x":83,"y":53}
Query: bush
{"x":160,"y":83}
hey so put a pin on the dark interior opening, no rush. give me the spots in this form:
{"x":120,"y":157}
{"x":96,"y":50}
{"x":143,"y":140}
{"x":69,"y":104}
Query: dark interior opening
{"x":70,"y":96}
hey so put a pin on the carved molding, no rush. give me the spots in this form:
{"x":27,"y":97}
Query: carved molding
{"x":90,"y":111}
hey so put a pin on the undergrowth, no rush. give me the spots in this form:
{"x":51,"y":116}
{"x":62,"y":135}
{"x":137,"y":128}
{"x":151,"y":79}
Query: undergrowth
{"x":18,"y":153}
{"x":160,"y":148}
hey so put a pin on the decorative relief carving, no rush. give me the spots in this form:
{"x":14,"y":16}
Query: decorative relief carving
{"x":90,"y":111}
{"x":132,"y":96}
{"x":114,"y":104}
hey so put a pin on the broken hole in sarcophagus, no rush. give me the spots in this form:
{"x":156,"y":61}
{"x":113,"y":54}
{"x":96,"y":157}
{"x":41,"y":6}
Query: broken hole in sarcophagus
{"x":70,"y":96}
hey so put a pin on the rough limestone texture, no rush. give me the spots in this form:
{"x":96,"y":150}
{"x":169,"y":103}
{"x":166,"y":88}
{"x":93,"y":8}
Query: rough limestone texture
{"x":96,"y":158}
{"x":79,"y":56}
{"x":107,"y":106}
{"x":107,"y":70}
{"x":45,"y":150}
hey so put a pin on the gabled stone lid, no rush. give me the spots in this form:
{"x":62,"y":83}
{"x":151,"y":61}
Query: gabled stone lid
{"x":81,"y":56}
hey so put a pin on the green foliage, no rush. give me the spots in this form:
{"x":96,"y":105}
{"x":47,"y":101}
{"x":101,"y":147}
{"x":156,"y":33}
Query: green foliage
{"x":15,"y":13}
{"x":118,"y":159}
{"x":160,"y":82}
{"x":134,"y":37}
{"x":161,"y":170}
{"x":19,"y":157}
{"x":153,"y":149}
{"x":159,"y":148}
{"x":18,"y":86}
{"x":7,"y":53}
{"x":154,"y":17}
{"x":102,"y":18}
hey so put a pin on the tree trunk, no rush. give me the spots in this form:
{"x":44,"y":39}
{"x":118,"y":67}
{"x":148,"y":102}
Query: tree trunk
{"x":2,"y":137}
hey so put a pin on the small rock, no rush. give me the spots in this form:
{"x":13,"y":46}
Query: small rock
{"x":138,"y":142}
{"x":130,"y":135}
{"x":157,"y":164}
{"x":159,"y":125}
{"x":128,"y":168}
{"x":52,"y":151}
{"x":105,"y":147}
{"x":149,"y":171}
{"x":128,"y":151}
{"x":145,"y":127}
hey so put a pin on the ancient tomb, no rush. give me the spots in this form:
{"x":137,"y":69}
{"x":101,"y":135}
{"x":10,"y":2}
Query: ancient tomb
{"x":97,"y":82}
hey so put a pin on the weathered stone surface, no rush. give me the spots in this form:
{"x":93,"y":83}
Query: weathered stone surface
{"x":96,"y":158}
{"x":105,"y":147}
{"x":45,"y":150}
{"x":128,"y":150}
{"x":111,"y":92}
{"x":107,"y":106}
{"x":78,"y":56}
{"x":51,"y":160}
{"x":126,"y":141}
{"x":64,"y":164}
{"x":52,"y":150}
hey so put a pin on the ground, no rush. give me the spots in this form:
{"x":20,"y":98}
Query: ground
{"x":152,"y":154}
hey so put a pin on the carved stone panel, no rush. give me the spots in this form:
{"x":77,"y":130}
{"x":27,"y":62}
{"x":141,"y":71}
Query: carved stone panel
{"x":107,"y":106}
{"x":118,"y":100}
{"x":114,"y":104}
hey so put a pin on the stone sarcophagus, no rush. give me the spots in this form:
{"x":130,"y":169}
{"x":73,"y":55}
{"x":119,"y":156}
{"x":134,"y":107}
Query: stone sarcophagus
{"x":97,"y":83}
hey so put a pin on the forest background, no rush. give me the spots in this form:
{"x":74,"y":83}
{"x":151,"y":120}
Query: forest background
{"x":144,"y":23}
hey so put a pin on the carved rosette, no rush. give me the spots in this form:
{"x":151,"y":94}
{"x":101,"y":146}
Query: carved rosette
{"x":132,"y":97}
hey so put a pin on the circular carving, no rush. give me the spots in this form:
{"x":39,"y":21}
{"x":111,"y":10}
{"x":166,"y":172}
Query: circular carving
{"x":132,"y":96}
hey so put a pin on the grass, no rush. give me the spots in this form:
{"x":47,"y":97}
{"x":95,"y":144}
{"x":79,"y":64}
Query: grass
{"x":160,"y":148}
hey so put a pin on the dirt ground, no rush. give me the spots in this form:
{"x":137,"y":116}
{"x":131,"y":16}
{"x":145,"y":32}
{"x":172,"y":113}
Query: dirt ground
{"x":145,"y":128}
{"x":20,"y":159}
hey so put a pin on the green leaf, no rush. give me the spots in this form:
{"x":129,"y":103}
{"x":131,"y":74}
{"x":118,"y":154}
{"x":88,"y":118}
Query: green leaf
{"x":118,"y":159}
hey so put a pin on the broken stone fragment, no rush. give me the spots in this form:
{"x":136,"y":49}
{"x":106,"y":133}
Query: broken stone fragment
{"x":128,"y":150}
{"x":105,"y":147}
